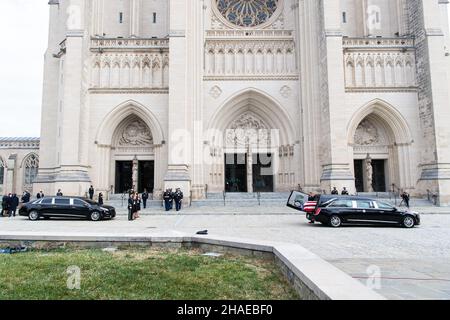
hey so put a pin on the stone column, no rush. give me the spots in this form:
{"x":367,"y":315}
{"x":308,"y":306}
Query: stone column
{"x":306,"y":155}
{"x":50,"y":103}
{"x":249,"y":160}
{"x":135,"y":19}
{"x":436,"y":174}
{"x":195,"y":50}
{"x":336,"y":166}
{"x":11,"y":174}
{"x":368,"y":174}
{"x":135,"y":177}
{"x":72,"y":177}
{"x":179,"y":141}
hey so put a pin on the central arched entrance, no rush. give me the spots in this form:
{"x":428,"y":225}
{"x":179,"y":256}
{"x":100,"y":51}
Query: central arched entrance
{"x":133,"y":156}
{"x":129,"y":151}
{"x":252,"y":146}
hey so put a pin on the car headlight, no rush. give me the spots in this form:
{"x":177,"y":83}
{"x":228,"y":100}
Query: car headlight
{"x":105,"y":210}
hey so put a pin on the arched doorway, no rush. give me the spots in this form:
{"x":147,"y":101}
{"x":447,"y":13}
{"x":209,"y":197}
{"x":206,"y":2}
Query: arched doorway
{"x":30,"y":169}
{"x":133,"y":156}
{"x":129,"y":150}
{"x":380,"y":144}
{"x":252,"y":146}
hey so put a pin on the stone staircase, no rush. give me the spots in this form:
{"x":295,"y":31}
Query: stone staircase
{"x":389,"y":198}
{"x":272,"y":199}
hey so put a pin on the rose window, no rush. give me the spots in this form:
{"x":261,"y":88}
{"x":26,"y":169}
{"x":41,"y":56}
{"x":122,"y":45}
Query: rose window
{"x":247,"y":13}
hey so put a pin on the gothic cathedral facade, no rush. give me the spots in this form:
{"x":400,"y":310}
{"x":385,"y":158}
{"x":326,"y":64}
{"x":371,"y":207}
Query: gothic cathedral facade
{"x":246,"y":96}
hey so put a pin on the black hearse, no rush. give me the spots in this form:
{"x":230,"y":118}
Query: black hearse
{"x":66,"y":207}
{"x":335,"y":211}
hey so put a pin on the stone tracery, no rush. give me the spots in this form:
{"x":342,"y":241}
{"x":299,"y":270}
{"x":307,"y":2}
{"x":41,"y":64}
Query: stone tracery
{"x":247,"y":13}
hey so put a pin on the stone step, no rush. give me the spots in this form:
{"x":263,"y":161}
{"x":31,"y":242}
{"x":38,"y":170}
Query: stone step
{"x":251,"y":195}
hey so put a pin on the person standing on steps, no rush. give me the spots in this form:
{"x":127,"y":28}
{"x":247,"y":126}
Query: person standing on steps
{"x":13,"y":206}
{"x":100,"y":199}
{"x":59,"y":193}
{"x":130,"y":208}
{"x":335,"y":192}
{"x":178,"y":196}
{"x":345,"y":192}
{"x":167,"y":199}
{"x":91,"y":193}
{"x":40,"y":195}
{"x":145,"y":197}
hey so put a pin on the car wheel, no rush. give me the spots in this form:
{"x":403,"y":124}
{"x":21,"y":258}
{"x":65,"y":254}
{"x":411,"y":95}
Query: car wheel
{"x":95,"y":216}
{"x":34,"y":216}
{"x":335,"y":222}
{"x":408,"y":222}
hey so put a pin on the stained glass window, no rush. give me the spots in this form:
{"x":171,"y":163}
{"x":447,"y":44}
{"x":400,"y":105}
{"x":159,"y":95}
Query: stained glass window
{"x":247,"y":13}
{"x":31,"y":169}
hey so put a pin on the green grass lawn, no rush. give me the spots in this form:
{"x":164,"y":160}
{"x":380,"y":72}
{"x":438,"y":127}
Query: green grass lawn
{"x":140,"y":274}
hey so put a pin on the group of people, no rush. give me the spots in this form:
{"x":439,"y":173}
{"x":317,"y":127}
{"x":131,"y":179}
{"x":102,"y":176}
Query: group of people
{"x":91,"y":193}
{"x":170,"y":197}
{"x":134,"y":205}
{"x":336,"y":192}
{"x":11,"y":203}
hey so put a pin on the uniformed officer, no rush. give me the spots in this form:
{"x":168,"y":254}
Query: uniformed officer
{"x":168,"y":199}
{"x":178,"y":199}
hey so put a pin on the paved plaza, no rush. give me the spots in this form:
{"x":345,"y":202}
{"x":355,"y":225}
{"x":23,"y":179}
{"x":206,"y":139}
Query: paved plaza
{"x":398,"y":263}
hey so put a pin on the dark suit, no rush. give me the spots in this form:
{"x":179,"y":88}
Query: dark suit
{"x":144,"y":199}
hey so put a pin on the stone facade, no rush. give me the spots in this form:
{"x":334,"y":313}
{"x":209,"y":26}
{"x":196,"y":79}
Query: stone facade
{"x":335,"y":93}
{"x":19,"y":164}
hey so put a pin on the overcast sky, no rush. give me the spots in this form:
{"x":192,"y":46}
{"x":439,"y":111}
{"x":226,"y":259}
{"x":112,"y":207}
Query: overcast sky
{"x":25,"y":27}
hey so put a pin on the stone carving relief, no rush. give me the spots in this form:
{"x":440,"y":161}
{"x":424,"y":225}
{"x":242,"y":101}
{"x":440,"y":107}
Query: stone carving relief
{"x":136,"y":134}
{"x":286,"y":91}
{"x":367,"y":134}
{"x":248,"y":129}
{"x":215,"y":92}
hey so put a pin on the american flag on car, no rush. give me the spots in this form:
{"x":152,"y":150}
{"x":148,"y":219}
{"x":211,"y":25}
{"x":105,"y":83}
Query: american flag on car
{"x":310,"y":206}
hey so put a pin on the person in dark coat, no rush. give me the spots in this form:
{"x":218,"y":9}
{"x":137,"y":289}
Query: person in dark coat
{"x":59,"y":193}
{"x":335,"y":191}
{"x":91,"y":193}
{"x":26,"y":197}
{"x":178,"y":197}
{"x":345,"y":192}
{"x":405,"y":198}
{"x":100,"y":199}
{"x":130,"y":208}
{"x":40,"y":195}
{"x":168,"y":198}
{"x":145,"y":197}
{"x":5,"y":205}
{"x":137,"y":205}
{"x":13,"y":205}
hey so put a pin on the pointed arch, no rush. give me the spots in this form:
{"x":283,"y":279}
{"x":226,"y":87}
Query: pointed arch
{"x":394,"y":122}
{"x":264,"y":106}
{"x":121,"y":112}
{"x":30,"y":167}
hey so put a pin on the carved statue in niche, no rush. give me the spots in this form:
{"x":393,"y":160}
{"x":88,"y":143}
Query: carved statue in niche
{"x":366,"y":134}
{"x":136,"y":133}
{"x":369,"y":174}
{"x":248,"y":130}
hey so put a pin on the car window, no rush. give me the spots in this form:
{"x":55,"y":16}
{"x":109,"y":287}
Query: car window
{"x":65,"y":202}
{"x":365,"y":204}
{"x":78,"y":202}
{"x":385,"y":206}
{"x":341,"y":204}
{"x":47,"y":201}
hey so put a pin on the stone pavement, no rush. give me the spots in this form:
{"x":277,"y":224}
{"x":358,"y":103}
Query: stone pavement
{"x":398,"y":263}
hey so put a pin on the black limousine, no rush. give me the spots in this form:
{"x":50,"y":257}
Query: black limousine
{"x":336,"y":211}
{"x":66,"y":207}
